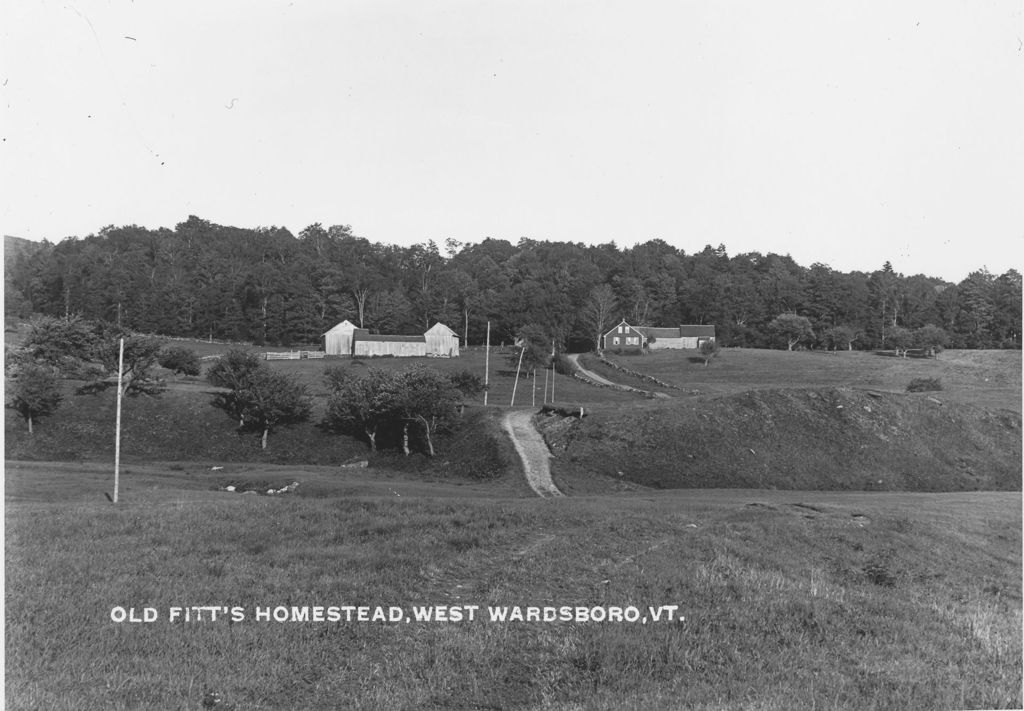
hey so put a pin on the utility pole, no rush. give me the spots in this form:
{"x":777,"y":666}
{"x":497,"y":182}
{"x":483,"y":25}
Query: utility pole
{"x":520,"y":365}
{"x":487,"y":361}
{"x":553,"y":371}
{"x":117,"y":435}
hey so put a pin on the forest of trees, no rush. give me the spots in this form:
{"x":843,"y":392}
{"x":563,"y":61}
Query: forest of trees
{"x":268,"y":286}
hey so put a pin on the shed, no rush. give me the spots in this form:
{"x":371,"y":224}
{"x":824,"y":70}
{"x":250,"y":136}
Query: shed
{"x":338,"y":341}
{"x":399,"y":346}
{"x":442,"y":341}
{"x":682,"y":337}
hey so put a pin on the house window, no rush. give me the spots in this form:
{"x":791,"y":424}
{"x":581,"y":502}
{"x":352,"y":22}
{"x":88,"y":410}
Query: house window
{"x":615,"y":341}
{"x":622,"y":329}
{"x":631,"y":341}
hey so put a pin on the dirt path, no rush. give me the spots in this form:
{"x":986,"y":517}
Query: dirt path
{"x":591,"y":375}
{"x":532,"y":451}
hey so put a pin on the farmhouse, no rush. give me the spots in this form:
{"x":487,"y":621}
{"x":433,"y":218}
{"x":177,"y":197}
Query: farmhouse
{"x":348,"y":339}
{"x":625,"y":336}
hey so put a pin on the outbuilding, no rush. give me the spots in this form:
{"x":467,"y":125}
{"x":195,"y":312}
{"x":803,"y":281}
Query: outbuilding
{"x":442,"y":341}
{"x":338,"y":341}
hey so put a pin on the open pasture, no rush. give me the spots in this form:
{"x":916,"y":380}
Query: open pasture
{"x":988,"y":379}
{"x":791,"y":599}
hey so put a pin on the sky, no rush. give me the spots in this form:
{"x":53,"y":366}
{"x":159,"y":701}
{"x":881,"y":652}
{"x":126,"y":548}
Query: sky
{"x":842,"y":133}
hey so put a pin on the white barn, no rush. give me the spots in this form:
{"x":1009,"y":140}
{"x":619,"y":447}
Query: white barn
{"x":338,"y":341}
{"x":348,"y":339}
{"x":442,"y":341}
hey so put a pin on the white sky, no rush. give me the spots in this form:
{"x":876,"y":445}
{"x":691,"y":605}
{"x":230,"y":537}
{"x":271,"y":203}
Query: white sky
{"x":845,"y":133}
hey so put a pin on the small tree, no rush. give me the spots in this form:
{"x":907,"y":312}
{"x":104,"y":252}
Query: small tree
{"x":424,"y":396}
{"x":794,"y":329}
{"x":233,"y":371}
{"x":467,"y":383}
{"x":535,"y":347}
{"x":900,"y":339}
{"x":59,"y":341}
{"x":181,"y":360}
{"x":361,"y":404}
{"x":840,"y":337}
{"x":36,"y":392}
{"x":234,"y":368}
{"x":931,"y":338}
{"x":709,"y":349}
{"x":140,"y":355}
{"x":270,"y":398}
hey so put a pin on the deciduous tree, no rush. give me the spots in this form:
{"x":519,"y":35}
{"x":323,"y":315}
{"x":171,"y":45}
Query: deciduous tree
{"x":360,"y":404}
{"x":36,"y":392}
{"x":599,"y":311}
{"x":709,"y":349}
{"x":271,"y":398}
{"x":181,"y":360}
{"x":793,"y":328}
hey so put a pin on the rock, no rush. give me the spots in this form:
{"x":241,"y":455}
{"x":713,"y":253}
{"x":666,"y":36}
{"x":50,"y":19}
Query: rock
{"x":362,"y":464}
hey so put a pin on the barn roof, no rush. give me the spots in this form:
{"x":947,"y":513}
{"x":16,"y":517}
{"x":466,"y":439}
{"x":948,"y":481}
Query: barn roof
{"x":345,"y":325}
{"x":696,"y":330}
{"x":441,"y":328}
{"x":653,"y":332}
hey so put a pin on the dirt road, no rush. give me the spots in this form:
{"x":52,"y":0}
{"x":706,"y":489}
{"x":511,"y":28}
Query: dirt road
{"x":591,"y":375}
{"x":532,"y":451}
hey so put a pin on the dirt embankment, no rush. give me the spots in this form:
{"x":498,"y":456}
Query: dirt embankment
{"x":831,"y":438}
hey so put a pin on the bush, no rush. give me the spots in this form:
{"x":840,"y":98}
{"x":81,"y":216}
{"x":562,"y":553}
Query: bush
{"x":923,"y":385}
{"x":563,"y":366}
{"x":181,"y":360}
{"x":467,"y":382}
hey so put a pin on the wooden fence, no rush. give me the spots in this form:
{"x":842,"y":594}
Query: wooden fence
{"x":295,"y":355}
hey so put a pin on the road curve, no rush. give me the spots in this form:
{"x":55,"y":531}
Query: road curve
{"x":575,"y":358}
{"x":532,"y":450}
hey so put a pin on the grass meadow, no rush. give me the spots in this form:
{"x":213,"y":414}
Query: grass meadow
{"x":791,"y":599}
{"x":988,"y":379}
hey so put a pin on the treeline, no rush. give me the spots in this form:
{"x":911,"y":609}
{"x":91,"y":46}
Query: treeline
{"x":268,"y":286}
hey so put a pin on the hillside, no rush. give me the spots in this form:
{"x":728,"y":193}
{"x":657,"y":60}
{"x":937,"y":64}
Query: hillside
{"x":791,"y":438}
{"x":181,"y":425}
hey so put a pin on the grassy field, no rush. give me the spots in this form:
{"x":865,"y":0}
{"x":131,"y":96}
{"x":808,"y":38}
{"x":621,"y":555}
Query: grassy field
{"x":988,"y":379}
{"x":790,"y":599}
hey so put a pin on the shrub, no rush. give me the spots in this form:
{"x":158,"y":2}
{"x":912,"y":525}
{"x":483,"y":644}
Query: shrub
{"x":563,"y":366}
{"x":180,"y":359}
{"x":467,"y":382}
{"x":922,"y":385}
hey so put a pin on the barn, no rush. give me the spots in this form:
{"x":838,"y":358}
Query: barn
{"x":338,"y":341}
{"x":348,"y":339}
{"x":683,"y":337}
{"x":442,"y":341}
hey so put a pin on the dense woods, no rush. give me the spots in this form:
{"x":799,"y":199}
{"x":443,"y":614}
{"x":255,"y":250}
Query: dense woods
{"x":268,"y":286}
